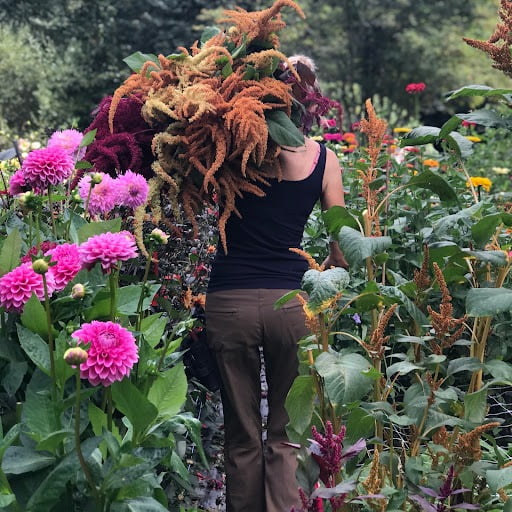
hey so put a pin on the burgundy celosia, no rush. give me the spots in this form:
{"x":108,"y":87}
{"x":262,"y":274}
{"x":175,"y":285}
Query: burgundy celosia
{"x":415,"y":88}
{"x":102,"y":198}
{"x":132,"y":189}
{"x":107,"y":249}
{"x":18,"y":285}
{"x":47,"y":166}
{"x":111,"y":355}
{"x":67,"y":265}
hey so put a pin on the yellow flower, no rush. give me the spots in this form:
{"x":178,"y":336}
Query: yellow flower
{"x":401,"y":129}
{"x":430,"y":162}
{"x":473,"y":138}
{"x":501,"y":170}
{"x":479,"y":181}
{"x":318,"y":138}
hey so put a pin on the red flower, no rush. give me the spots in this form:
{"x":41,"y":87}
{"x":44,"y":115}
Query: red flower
{"x":413,"y":88}
{"x":333,"y":137}
{"x":468,"y":124}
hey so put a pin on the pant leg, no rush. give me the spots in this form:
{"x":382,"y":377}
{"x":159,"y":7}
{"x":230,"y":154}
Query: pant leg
{"x":234,"y":333}
{"x":282,"y":330}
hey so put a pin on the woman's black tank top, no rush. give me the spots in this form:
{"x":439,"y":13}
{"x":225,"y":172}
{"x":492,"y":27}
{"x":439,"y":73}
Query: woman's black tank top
{"x":258,"y":242}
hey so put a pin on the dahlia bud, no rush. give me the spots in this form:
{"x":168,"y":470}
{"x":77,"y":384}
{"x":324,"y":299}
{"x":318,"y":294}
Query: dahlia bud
{"x":78,"y":291}
{"x":75,"y":356}
{"x":159,"y":236}
{"x":96,"y":178}
{"x":28,"y":201}
{"x":40,"y":266}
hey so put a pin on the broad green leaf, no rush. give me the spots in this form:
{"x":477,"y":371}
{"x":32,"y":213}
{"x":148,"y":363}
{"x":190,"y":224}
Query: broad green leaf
{"x":438,"y":419}
{"x":484,"y":117}
{"x":128,"y":298}
{"x":485,"y":228}
{"x":193,"y":426}
{"x":35,"y":348}
{"x":359,"y":425}
{"x":500,"y":370}
{"x":39,"y":415}
{"x":82,"y":164}
{"x":436,"y":184}
{"x":416,"y":314}
{"x":343,"y":375}
{"x":488,"y":301}
{"x":477,"y":90}
{"x":141,"y":504}
{"x":97,"y":228}
{"x":458,"y":143}
{"x":357,"y":247}
{"x":402,"y":367}
{"x":475,"y":406}
{"x":13,"y":375}
{"x":76,"y":222}
{"x":208,"y":33}
{"x":86,"y":140}
{"x":34,"y":317}
{"x":9,"y":438}
{"x":497,"y":258}
{"x":499,"y":478}
{"x":134,"y":405}
{"x":153,"y":328}
{"x":463,"y":364}
{"x":136,"y":60}
{"x":403,"y":421}
{"x":336,"y":217}
{"x":20,"y":459}
{"x":449,"y":126}
{"x":443,"y":225}
{"x":299,"y":405}
{"x":168,"y":392}
{"x":420,"y":135}
{"x":282,"y":130}
{"x":10,"y":252}
{"x":52,"y":442}
{"x":285,"y":298}
{"x":324,"y":286}
{"x":6,"y":500}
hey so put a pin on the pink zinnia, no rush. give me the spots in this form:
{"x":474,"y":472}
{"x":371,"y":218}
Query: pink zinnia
{"x":70,"y":141}
{"x":68,"y":264}
{"x":17,"y":183}
{"x":47,"y":166}
{"x":107,"y":249}
{"x":18,"y":285}
{"x":333,"y":137}
{"x":132,"y":189}
{"x":112,"y":352}
{"x":415,"y":88}
{"x":103,"y":196}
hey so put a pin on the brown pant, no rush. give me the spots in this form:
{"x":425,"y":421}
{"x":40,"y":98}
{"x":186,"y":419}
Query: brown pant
{"x":260,"y":476}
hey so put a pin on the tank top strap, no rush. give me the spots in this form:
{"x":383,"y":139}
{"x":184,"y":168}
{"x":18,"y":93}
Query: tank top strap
{"x":317,"y":175}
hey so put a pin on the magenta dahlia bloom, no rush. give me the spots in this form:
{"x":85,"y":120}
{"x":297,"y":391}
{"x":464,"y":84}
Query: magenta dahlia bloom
{"x":17,"y":183}
{"x":67,"y":265}
{"x":47,"y":166}
{"x":18,"y":285}
{"x":132,"y":189}
{"x":103,"y":196}
{"x":107,"y":249}
{"x":112,"y":352}
{"x":68,"y":140}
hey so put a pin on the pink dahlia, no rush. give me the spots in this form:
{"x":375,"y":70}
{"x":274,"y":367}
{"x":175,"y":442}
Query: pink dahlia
{"x":17,"y":183}
{"x":102,"y":197}
{"x":68,"y":140}
{"x":132,"y":189}
{"x":18,"y":285}
{"x":107,"y":249}
{"x":47,"y":166}
{"x":112,"y":352}
{"x":67,"y":264}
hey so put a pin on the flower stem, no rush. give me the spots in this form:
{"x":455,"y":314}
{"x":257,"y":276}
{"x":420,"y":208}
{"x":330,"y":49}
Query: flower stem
{"x":50,"y":208}
{"x":108,"y":395}
{"x":113,"y":294}
{"x":78,"y":448}
{"x":51,"y":343}
{"x":142,"y":294}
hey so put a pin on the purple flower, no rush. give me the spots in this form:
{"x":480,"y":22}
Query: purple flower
{"x":132,"y":189}
{"x":102,"y":197}
{"x":70,"y":141}
{"x":356,"y":318}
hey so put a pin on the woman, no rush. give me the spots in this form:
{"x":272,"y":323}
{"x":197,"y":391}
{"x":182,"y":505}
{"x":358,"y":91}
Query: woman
{"x":240,"y":318}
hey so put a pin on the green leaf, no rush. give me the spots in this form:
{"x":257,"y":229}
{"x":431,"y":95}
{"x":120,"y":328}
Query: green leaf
{"x":446,"y":223}
{"x":402,"y":367}
{"x":458,"y":143}
{"x":142,"y":504}
{"x":52,"y":442}
{"x":299,"y":405}
{"x":477,"y":90}
{"x":128,"y":298}
{"x":359,"y":425}
{"x":282,"y":130}
{"x":83,"y":164}
{"x":34,"y":317}
{"x":497,"y":258}
{"x":9,"y":438}
{"x":20,"y":459}
{"x":39,"y":415}
{"x":485,"y":228}
{"x":435,"y":183}
{"x":86,"y":140}
{"x":449,"y":126}
{"x":498,"y":478}
{"x":336,"y":217}
{"x":343,"y":375}
{"x":475,"y":406}
{"x":6,"y":500}
{"x":463,"y":364}
{"x":500,"y":370}
{"x":35,"y":348}
{"x":484,"y":117}
{"x":134,"y":405}
{"x":10,"y":252}
{"x":208,"y":33}
{"x":153,"y":328}
{"x":324,"y":286}
{"x":420,"y":136}
{"x":136,"y":60}
{"x":13,"y":376}
{"x":416,"y":314}
{"x":357,"y":247}
{"x":96,"y":228}
{"x":285,"y":298}
{"x":488,"y":301}
{"x":168,"y":392}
